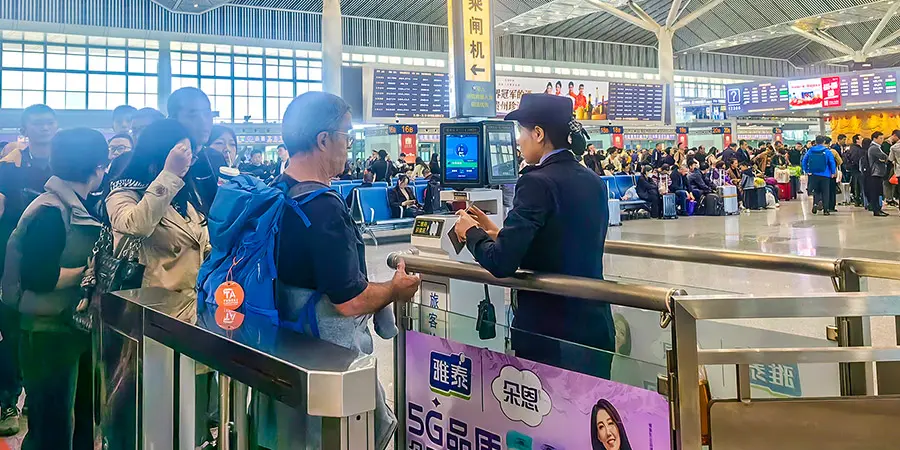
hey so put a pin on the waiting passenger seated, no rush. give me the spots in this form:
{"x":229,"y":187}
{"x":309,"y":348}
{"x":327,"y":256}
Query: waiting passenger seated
{"x":648,"y":191}
{"x":698,"y":183}
{"x":368,"y":177}
{"x":403,"y":199}
{"x":681,"y":187}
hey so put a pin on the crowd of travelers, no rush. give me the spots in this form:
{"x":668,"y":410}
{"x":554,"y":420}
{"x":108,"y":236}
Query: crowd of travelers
{"x":149,"y":189}
{"x":868,"y":166}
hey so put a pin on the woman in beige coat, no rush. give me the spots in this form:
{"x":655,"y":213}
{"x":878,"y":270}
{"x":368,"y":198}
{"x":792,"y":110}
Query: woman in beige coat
{"x":154,"y":203}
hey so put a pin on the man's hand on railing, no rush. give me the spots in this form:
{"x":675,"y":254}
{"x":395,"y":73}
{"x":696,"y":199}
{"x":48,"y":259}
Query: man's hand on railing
{"x":403,"y":284}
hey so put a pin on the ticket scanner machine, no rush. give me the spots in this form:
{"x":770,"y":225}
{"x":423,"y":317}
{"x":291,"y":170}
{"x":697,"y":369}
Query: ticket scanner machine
{"x":474,"y":157}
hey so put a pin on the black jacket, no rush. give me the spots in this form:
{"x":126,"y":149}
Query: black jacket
{"x":557,"y":224}
{"x":647,"y":189}
{"x":794,"y":156}
{"x":743,"y":155}
{"x":728,"y":154}
{"x":395,"y":199}
{"x":698,"y":182}
{"x":853,"y":156}
{"x":679,"y":182}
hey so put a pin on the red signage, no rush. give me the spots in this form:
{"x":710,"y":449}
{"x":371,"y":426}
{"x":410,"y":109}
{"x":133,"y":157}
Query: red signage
{"x":408,"y":147}
{"x":618,"y":140}
{"x":726,"y":136}
{"x":831,"y":92}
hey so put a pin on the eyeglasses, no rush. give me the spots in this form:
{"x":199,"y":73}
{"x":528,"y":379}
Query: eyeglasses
{"x":118,"y":149}
{"x":350,"y":138}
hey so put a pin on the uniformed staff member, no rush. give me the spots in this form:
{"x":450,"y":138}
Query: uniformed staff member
{"x":557,"y":224}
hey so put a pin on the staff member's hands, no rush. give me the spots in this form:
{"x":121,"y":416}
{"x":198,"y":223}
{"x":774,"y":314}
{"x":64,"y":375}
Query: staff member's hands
{"x":463,"y":225}
{"x":484,"y":222}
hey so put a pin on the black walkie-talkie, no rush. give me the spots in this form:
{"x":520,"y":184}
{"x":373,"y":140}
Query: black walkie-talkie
{"x":486,"y":324}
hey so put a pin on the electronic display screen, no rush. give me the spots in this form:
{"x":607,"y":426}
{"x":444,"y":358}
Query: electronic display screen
{"x":406,"y":93}
{"x":428,"y":228}
{"x":635,"y":101}
{"x":502,"y":157}
{"x":462,"y":158}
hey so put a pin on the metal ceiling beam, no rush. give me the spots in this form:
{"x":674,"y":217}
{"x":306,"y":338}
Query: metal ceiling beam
{"x":891,"y":38}
{"x":825,"y":40}
{"x":642,"y":14}
{"x":605,"y":7}
{"x":697,"y":13}
{"x":880,"y":27}
{"x":673,"y":12}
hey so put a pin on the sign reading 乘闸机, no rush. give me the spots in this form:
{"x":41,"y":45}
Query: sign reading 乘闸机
{"x":471,"y":58}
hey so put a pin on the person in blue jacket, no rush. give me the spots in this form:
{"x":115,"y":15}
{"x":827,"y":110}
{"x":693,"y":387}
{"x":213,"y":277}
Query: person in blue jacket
{"x":819,"y":164}
{"x":558,"y":225}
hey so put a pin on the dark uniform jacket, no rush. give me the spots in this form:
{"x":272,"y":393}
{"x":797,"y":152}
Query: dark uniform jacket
{"x":557,"y":224}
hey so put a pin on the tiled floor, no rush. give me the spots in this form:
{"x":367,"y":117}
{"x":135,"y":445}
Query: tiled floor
{"x":788,"y":230}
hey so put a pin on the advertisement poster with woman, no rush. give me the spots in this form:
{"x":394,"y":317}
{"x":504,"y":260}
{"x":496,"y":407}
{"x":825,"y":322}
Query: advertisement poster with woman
{"x":583,"y":93}
{"x":459,"y":396}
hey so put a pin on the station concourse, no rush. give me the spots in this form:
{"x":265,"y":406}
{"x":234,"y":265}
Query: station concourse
{"x":279,"y":224}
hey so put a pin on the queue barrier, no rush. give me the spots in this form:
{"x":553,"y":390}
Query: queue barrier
{"x":150,"y":348}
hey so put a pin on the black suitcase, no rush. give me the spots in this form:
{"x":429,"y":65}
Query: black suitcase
{"x":712,"y":205}
{"x":755,"y":198}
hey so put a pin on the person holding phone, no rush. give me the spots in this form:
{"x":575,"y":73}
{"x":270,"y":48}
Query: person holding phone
{"x":558,"y":225}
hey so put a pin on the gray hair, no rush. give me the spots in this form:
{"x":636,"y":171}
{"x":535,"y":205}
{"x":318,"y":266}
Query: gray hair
{"x":307,"y":116}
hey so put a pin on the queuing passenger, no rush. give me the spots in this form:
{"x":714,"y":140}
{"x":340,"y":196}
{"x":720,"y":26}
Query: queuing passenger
{"x":819,"y":164}
{"x":648,"y":191}
{"x":853,"y":156}
{"x":402,"y":199}
{"x":23,"y":174}
{"x":894,"y":156}
{"x":795,"y":154}
{"x":284,"y":158}
{"x":156,"y":204}
{"x":48,"y":253}
{"x":890,"y":190}
{"x":831,"y":201}
{"x":191,"y":108}
{"x":556,"y":200}
{"x":730,"y":153}
{"x":224,"y":142}
{"x":317,"y":131}
{"x":123,"y":116}
{"x":876,"y":164}
{"x":743,"y":153}
{"x":142,"y":119}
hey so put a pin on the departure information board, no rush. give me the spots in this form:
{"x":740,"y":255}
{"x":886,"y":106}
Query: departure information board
{"x":410,"y":94}
{"x":757,"y":97}
{"x":635,"y":101}
{"x":869,"y":88}
{"x":851,"y":90}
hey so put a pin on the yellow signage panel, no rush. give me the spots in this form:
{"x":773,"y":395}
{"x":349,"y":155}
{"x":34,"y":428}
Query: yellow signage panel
{"x":476,"y":32}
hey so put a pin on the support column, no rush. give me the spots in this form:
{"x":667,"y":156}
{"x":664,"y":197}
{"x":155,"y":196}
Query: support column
{"x":822,"y":126}
{"x":164,"y":75}
{"x":666,"y":56}
{"x":332,"y":46}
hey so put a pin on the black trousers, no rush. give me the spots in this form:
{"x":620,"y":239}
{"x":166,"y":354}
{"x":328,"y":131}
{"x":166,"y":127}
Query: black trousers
{"x":56,"y":369}
{"x":856,"y":186}
{"x":874,"y":190}
{"x":821,"y":188}
{"x":655,"y":201}
{"x":10,"y":375}
{"x":831,"y":201}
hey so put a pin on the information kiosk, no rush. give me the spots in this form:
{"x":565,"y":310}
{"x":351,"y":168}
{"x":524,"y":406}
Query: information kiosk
{"x":476,"y":158}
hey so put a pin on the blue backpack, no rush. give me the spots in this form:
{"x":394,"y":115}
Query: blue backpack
{"x":243,"y":224}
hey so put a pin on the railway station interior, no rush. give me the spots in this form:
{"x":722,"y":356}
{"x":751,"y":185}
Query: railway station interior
{"x":449,"y":224}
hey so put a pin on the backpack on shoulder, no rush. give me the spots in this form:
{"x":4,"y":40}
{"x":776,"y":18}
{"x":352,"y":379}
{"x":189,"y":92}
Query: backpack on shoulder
{"x":816,"y":162}
{"x":243,"y":222}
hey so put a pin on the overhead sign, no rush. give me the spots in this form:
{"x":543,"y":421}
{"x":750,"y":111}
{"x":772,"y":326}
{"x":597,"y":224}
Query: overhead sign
{"x":853,"y":90}
{"x":718,"y":130}
{"x":611,"y":129}
{"x":403,"y":129}
{"x":681,"y":130}
{"x":635,"y":101}
{"x":471,"y":58}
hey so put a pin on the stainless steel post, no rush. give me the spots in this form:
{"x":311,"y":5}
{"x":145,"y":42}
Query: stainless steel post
{"x":687,"y":398}
{"x":241,"y":419}
{"x":356,"y":432}
{"x":400,"y":374}
{"x":224,"y":412}
{"x":851,"y":333}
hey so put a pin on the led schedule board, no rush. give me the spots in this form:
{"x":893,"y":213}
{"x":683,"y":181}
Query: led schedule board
{"x":635,"y":101}
{"x":410,"y":94}
{"x":852,"y":90}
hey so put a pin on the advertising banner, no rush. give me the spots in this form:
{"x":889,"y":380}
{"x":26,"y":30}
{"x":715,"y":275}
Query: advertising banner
{"x":511,"y":89}
{"x":408,"y":147}
{"x":805,"y":94}
{"x":464,"y":397}
{"x":831,"y":92}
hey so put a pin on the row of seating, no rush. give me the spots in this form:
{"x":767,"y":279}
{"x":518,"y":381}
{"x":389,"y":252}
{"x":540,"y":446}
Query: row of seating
{"x":372,"y":211}
{"x":617,"y":185}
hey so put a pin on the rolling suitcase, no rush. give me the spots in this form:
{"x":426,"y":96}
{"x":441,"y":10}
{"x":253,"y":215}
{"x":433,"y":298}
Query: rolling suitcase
{"x":728,"y":195}
{"x":668,"y":210}
{"x":755,"y":198}
{"x":615,"y":213}
{"x":784,"y":191}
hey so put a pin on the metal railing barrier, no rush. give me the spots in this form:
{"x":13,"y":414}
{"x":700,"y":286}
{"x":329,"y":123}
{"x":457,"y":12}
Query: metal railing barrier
{"x":152,"y":355}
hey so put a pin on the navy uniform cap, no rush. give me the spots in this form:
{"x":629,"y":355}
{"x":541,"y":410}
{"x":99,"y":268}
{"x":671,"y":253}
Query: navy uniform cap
{"x":543,"y":109}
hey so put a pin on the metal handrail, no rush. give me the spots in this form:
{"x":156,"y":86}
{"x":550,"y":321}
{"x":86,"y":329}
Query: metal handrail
{"x":635,"y":296}
{"x":749,"y":260}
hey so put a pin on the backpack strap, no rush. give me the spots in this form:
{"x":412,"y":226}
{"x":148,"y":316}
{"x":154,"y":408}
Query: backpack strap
{"x":295,"y":204}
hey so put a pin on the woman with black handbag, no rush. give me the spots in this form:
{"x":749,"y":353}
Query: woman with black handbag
{"x":47,"y":258}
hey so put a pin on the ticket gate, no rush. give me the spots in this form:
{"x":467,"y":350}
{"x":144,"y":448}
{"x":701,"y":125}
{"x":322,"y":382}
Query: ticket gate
{"x":148,"y":356}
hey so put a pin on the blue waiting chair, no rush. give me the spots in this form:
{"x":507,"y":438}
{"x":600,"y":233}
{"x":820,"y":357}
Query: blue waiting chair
{"x":374,"y":213}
